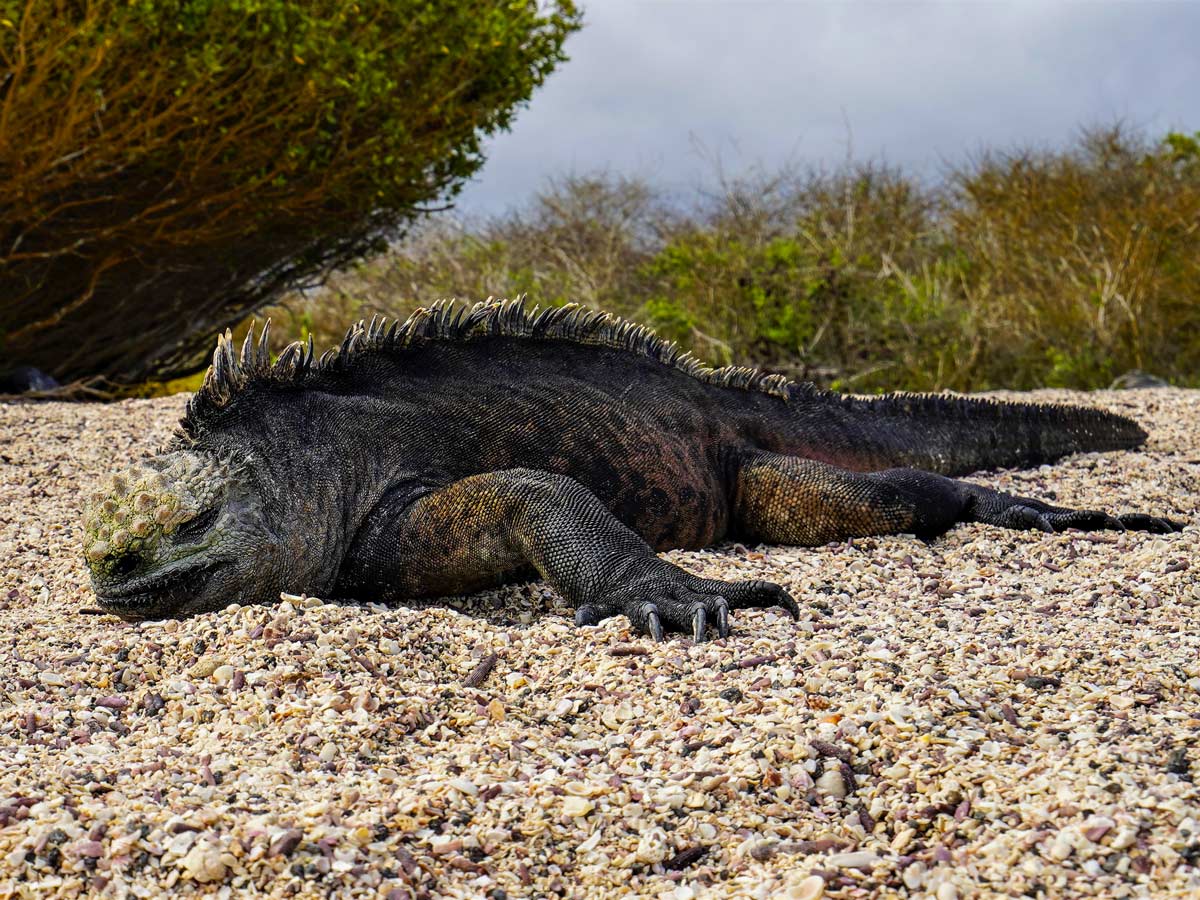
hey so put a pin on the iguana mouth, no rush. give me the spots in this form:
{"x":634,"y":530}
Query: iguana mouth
{"x":167,"y":592}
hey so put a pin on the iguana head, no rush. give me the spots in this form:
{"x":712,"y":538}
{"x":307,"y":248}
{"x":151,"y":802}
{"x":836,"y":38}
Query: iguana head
{"x":175,"y":534}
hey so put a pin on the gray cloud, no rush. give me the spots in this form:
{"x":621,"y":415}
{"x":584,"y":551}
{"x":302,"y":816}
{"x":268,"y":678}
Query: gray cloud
{"x":653,"y":88}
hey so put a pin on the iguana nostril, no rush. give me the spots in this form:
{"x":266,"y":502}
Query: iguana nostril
{"x":125,"y":564}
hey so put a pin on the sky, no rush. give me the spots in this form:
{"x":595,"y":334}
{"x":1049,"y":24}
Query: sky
{"x":673,"y":90}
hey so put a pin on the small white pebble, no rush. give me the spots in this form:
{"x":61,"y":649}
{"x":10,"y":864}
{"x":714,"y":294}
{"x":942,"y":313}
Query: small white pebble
{"x":652,"y":848}
{"x":590,"y":844}
{"x":203,"y":863}
{"x":902,"y":839}
{"x":1060,"y":849}
{"x":831,"y":782}
{"x":672,"y":796}
{"x":465,"y":786}
{"x":1124,"y":838}
{"x":859,"y":859}
{"x":223,"y":674}
{"x":811,"y":888}
{"x":54,"y":679}
{"x":914,"y":876}
{"x":329,"y":752}
{"x":947,"y":891}
{"x":577,"y":806}
{"x":563,"y":707}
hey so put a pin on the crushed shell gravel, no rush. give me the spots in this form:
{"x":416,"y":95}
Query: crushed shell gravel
{"x":992,"y":714}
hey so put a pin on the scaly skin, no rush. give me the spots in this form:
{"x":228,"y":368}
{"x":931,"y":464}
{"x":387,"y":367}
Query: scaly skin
{"x":453,"y":454}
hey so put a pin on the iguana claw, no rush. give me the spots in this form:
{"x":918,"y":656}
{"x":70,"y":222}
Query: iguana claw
{"x":722,"y":617}
{"x":670,"y":599}
{"x":654,"y":626}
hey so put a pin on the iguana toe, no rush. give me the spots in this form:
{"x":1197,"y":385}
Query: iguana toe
{"x":587,"y":615}
{"x":758,"y":595}
{"x":1021,"y":518}
{"x":1085,"y":520}
{"x":1153,"y":524}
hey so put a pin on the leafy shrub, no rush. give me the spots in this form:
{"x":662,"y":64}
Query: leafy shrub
{"x":1085,"y":263}
{"x":170,"y":165}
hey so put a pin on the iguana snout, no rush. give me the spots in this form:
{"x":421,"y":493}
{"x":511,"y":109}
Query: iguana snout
{"x":155,"y":536}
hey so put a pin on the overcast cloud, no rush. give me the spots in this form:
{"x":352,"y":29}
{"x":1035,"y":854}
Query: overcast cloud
{"x":658,"y":88}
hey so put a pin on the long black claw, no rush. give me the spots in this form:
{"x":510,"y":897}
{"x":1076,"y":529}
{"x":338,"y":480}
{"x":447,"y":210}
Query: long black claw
{"x":790,"y":605}
{"x":722,"y":617}
{"x":654,"y":626}
{"x":784,"y":599}
{"x":1153,"y":524}
{"x":587,"y":615}
{"x":699,"y":623}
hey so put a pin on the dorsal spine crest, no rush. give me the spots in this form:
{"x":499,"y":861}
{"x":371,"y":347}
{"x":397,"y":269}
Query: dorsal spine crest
{"x":452,"y":320}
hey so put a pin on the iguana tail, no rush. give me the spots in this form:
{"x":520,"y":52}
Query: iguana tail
{"x":946,"y":434}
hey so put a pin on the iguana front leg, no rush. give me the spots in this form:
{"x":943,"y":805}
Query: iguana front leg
{"x":790,"y":500}
{"x":490,"y":528}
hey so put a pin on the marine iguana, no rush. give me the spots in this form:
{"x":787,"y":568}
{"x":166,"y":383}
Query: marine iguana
{"x":467,"y":448}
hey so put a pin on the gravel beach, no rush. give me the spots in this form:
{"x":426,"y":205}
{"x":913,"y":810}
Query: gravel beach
{"x":996,"y":713}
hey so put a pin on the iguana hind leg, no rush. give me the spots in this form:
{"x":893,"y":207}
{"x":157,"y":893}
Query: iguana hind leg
{"x":791,"y":500}
{"x":493,"y":527}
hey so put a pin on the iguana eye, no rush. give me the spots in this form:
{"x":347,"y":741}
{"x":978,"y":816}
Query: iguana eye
{"x":125,"y":564}
{"x":194,"y":528}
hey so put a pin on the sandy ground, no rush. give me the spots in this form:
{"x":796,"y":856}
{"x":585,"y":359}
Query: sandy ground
{"x":995,"y":714}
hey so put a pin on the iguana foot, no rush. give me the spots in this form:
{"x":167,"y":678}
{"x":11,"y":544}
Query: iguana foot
{"x":674,"y":600}
{"x":1024,"y":514}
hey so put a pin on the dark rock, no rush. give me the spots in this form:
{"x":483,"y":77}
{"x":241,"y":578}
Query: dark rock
{"x":685,"y":858}
{"x":1039,"y":682}
{"x":286,"y":843}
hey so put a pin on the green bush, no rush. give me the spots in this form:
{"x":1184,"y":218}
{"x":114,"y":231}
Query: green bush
{"x":1088,"y":260}
{"x":170,"y":165}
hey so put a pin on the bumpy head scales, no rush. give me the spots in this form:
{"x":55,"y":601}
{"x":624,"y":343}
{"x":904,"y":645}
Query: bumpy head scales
{"x":147,"y":501}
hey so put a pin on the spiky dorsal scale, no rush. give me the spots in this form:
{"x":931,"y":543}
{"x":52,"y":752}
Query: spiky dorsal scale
{"x":450,"y":320}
